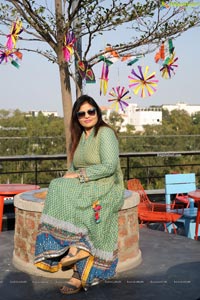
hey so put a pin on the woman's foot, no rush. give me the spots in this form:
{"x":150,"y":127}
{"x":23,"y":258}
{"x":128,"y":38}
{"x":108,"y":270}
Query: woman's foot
{"x":74,"y":255}
{"x":73,"y":286}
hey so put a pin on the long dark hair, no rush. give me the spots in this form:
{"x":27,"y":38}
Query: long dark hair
{"x":75,"y":126}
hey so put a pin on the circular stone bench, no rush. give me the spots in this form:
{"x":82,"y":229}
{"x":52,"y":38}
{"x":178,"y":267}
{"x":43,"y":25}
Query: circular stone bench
{"x":28,"y":209}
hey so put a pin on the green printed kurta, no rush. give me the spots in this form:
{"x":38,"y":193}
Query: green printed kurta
{"x":68,"y":217}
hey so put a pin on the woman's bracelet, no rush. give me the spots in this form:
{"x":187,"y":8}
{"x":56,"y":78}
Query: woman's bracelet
{"x":81,"y":176}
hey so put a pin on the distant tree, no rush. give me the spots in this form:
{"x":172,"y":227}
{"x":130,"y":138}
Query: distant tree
{"x":148,"y":23}
{"x":196,"y":118}
{"x":115,"y":120}
{"x":130,"y":129}
{"x":4,"y":113}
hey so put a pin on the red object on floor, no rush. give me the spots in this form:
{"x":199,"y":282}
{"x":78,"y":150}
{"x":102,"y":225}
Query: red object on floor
{"x":196,"y":196}
{"x":10,"y":190}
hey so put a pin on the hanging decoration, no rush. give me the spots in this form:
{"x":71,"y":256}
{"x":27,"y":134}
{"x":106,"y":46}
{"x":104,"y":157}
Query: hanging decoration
{"x":68,"y":48}
{"x":110,"y":56}
{"x":5,"y":56}
{"x":17,"y":57}
{"x":85,"y":71}
{"x":15,"y":31}
{"x":131,"y":59}
{"x":166,"y":58}
{"x":9,"y":53}
{"x":96,"y":208}
{"x":120,"y":95}
{"x":9,"y":56}
{"x":108,"y":59}
{"x":143,"y":82}
{"x":104,"y":79}
{"x":168,"y":68}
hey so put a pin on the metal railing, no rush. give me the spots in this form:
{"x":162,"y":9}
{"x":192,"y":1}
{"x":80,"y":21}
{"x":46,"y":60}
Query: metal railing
{"x":150,"y":167}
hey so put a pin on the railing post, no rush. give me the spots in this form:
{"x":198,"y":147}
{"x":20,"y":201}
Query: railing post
{"x":147,"y":177}
{"x":127,"y":167}
{"x":36,"y":169}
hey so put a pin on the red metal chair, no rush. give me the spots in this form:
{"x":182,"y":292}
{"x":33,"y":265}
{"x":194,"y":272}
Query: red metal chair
{"x":150,"y":212}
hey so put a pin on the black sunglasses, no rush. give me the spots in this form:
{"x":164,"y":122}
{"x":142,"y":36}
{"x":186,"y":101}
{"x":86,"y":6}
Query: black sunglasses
{"x":91,"y":112}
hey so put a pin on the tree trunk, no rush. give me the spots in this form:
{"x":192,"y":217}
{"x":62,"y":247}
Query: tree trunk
{"x":66,"y":102}
{"x":64,"y":74}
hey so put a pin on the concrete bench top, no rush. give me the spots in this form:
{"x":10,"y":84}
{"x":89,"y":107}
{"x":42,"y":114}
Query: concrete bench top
{"x":31,"y":202}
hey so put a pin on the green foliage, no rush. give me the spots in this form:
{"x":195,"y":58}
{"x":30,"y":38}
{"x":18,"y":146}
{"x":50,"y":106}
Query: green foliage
{"x":178,"y":132}
{"x":23,"y":134}
{"x":115,"y":120}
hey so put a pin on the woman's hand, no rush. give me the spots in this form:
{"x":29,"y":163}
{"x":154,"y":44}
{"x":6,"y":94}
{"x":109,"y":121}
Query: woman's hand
{"x":71,"y":175}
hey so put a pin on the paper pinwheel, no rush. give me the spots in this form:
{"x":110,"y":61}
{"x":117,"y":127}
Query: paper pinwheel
{"x":168,"y":68}
{"x":9,"y":56}
{"x":15,"y":31}
{"x":5,"y":56}
{"x":68,"y":49}
{"x":143,"y":82}
{"x":119,"y":95}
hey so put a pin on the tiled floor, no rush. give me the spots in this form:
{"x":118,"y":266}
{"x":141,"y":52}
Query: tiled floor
{"x":170,"y":270}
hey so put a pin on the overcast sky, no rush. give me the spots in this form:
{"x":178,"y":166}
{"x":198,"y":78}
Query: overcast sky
{"x":35,"y":85}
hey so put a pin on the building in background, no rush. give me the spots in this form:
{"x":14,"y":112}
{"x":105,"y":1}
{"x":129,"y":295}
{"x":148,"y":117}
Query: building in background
{"x":138,"y":117}
{"x":190,"y":109}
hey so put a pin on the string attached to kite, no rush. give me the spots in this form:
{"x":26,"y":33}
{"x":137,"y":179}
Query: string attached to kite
{"x":119,"y":97}
{"x":143,"y":82}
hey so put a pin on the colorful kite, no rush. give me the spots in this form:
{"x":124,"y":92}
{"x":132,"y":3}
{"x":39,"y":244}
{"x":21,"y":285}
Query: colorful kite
{"x":68,"y":49}
{"x":15,"y":31}
{"x":143,"y":82}
{"x":85,"y":71}
{"x":119,"y":95}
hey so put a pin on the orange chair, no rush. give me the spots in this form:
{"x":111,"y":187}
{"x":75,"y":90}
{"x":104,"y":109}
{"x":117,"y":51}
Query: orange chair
{"x":149,"y":212}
